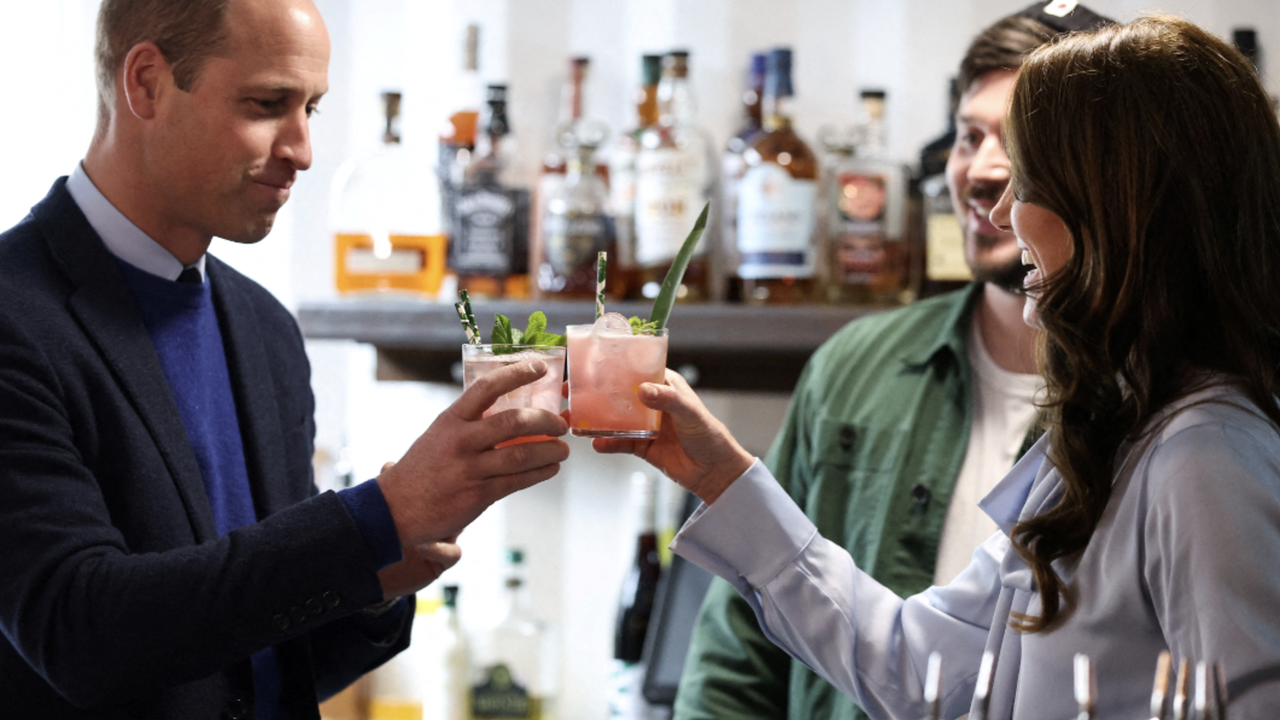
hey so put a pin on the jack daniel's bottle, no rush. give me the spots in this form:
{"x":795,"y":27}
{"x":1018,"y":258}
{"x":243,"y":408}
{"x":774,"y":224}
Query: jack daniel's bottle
{"x":489,"y":238}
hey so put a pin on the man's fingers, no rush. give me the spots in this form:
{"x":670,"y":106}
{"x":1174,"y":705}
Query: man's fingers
{"x":521,"y":457}
{"x":485,"y":391}
{"x":516,"y":423}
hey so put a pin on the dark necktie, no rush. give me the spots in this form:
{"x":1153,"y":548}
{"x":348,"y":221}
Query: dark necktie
{"x":190,"y":275}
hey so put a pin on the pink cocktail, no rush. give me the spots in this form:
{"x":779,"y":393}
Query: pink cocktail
{"x":608,"y":362}
{"x":542,"y":394}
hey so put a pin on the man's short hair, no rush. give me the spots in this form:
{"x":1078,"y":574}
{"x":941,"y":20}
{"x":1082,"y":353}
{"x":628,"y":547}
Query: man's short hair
{"x":186,"y":31}
{"x":1002,"y":47}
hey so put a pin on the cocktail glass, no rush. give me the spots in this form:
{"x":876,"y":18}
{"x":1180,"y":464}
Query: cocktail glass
{"x":607,"y":363}
{"x":542,"y":394}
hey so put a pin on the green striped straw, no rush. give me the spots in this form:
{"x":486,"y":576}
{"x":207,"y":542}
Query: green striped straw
{"x":468,"y":318}
{"x":602,"y":261}
{"x":472,"y":337}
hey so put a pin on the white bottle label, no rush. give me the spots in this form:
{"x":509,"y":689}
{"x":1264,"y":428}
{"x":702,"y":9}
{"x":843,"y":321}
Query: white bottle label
{"x":776,"y":220}
{"x":668,"y":199}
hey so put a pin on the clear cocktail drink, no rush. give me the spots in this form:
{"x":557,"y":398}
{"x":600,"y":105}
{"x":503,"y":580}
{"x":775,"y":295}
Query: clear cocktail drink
{"x":542,"y":394}
{"x":607,"y":364}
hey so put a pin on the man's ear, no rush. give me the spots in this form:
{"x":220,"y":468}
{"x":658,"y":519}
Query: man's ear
{"x":145,"y":73}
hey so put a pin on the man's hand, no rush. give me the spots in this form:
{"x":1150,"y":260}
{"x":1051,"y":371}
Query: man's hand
{"x":422,"y":565}
{"x":453,"y":471}
{"x":693,"y":447}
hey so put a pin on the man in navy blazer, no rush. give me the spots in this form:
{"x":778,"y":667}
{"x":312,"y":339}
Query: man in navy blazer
{"x":163,"y":550}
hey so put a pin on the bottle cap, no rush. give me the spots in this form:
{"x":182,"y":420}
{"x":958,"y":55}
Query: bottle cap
{"x":515,"y":556}
{"x":650,"y":69}
{"x":778,"y":82}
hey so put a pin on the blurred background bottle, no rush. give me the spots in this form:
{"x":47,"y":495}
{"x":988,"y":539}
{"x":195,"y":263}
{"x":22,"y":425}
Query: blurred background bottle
{"x":489,"y":238}
{"x":385,"y":217}
{"x":674,"y":180}
{"x":458,"y":135}
{"x":575,"y":227}
{"x":512,"y":661}
{"x":945,"y":268}
{"x":777,"y":199}
{"x":626,"y":700}
{"x":624,"y":278}
{"x":397,"y":688}
{"x":733,"y":165}
{"x":866,"y":202}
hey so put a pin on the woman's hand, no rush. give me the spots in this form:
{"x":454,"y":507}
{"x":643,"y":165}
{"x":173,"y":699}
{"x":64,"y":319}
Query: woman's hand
{"x":693,"y":447}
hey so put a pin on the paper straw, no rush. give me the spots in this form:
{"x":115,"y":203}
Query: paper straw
{"x":472,"y":337}
{"x":474,"y":329}
{"x":602,"y":261}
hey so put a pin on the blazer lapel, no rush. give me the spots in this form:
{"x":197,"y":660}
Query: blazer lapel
{"x":253,"y":384}
{"x":108,"y":313}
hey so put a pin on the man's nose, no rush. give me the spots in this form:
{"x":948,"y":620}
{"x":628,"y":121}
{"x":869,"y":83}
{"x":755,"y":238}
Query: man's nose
{"x":294,"y":141}
{"x":990,"y":163}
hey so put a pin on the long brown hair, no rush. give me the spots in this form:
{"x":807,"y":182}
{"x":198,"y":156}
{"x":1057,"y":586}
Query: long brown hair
{"x":1157,"y":146}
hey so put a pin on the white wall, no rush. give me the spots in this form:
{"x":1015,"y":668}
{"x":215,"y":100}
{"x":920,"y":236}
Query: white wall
{"x":571,"y":525}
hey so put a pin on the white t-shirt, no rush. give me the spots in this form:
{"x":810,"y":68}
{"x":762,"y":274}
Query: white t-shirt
{"x":1003,"y":410}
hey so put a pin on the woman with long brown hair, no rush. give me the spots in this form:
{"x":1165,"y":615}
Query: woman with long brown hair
{"x":1146,"y":193}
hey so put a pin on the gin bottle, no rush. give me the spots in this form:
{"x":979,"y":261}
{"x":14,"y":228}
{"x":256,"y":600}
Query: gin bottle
{"x":674,"y":180}
{"x":512,"y":668}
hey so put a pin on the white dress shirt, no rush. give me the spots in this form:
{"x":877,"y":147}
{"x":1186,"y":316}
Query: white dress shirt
{"x":1186,"y":557}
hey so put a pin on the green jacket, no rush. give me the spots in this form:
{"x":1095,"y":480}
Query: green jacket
{"x":873,"y":440}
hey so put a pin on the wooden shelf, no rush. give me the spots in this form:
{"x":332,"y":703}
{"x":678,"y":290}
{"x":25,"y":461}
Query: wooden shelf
{"x":724,"y":346}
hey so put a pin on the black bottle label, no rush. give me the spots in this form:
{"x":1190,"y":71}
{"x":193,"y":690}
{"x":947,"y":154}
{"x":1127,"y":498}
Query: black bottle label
{"x":490,"y":230}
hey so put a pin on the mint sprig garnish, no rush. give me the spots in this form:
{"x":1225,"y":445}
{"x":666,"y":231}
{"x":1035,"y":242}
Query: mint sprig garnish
{"x":534,"y":333}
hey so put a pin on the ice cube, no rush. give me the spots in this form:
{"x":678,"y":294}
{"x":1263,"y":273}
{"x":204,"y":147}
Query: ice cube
{"x":611,"y":322}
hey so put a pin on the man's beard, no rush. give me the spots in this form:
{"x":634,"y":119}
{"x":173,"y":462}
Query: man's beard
{"x":1007,"y":275}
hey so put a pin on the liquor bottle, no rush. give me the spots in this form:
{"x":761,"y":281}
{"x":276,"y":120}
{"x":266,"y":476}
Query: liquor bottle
{"x":446,"y":675}
{"x":777,"y":199}
{"x":636,"y":604}
{"x":489,"y":238}
{"x":385,"y":215}
{"x":622,"y":282}
{"x":733,"y":165}
{"x":867,"y":215}
{"x":945,"y":268}
{"x":674,"y":180}
{"x":574,"y":131}
{"x":395,"y":687}
{"x":511,"y":675}
{"x":575,"y":227}
{"x":458,"y":136}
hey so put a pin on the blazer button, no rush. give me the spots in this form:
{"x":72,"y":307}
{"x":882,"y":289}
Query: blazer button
{"x":281,"y":621}
{"x":298,"y":614}
{"x":315,"y":608}
{"x":237,"y":709}
{"x":920,"y":495}
{"x":331,"y":598}
{"x":847,"y":436}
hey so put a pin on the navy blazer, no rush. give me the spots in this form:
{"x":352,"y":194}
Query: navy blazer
{"x":117,"y":597}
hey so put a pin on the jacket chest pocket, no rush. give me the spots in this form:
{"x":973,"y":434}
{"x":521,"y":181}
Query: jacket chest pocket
{"x":856,"y":470}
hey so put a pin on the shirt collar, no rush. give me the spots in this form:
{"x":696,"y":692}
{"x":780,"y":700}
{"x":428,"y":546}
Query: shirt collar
{"x":953,"y":340}
{"x":1007,"y":502}
{"x":124,"y":239}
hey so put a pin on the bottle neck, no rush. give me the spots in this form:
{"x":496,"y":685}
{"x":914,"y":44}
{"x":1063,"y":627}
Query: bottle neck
{"x":647,"y":105}
{"x":675,"y":102}
{"x":777,"y":112}
{"x":873,"y":141}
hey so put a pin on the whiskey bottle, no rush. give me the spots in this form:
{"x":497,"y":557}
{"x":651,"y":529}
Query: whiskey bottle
{"x":867,"y":216}
{"x":575,"y":227}
{"x":624,"y":275}
{"x":777,"y":199}
{"x":489,"y":240}
{"x":639,"y":588}
{"x":944,"y":265}
{"x":458,"y":135}
{"x":385,"y":216}
{"x":512,"y":675}
{"x":674,"y":180}
{"x":733,"y":165}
